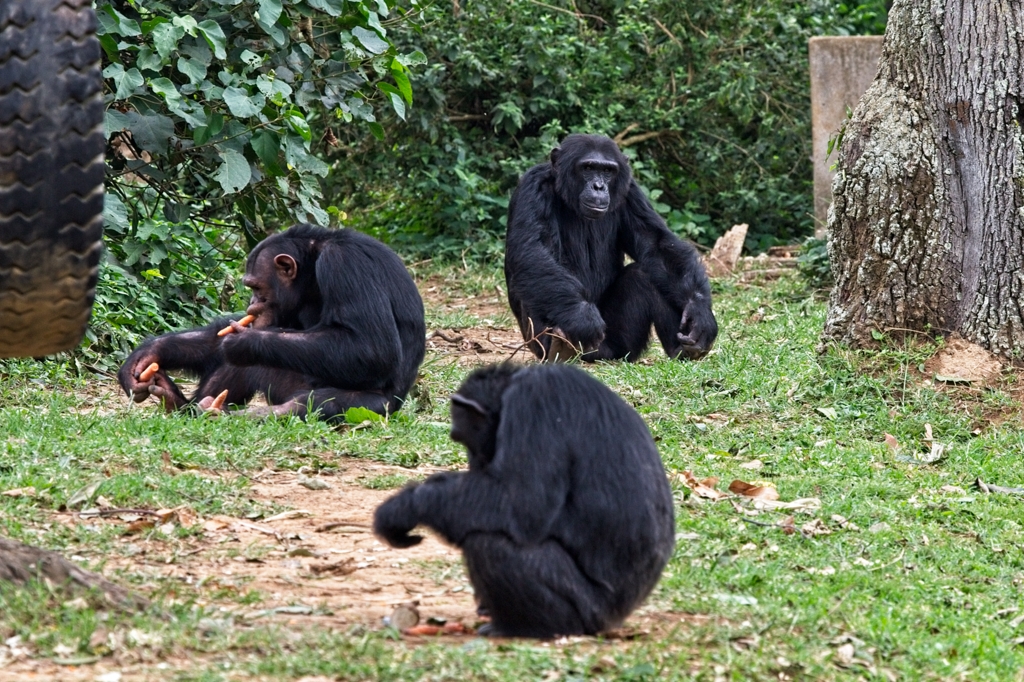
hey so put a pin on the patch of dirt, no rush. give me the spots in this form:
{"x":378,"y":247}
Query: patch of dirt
{"x":965,"y":361}
{"x":496,"y":339}
{"x":322,"y":554}
{"x":318,"y":566}
{"x":442,"y":294}
{"x":478,"y":345}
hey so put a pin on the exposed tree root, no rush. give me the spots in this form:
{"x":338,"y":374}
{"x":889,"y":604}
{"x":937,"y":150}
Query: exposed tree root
{"x":20,"y":563}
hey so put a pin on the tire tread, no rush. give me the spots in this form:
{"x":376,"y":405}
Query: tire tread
{"x":51,"y":173}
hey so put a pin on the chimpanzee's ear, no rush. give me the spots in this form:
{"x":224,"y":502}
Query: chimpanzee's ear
{"x":286,"y":267}
{"x":555,"y":153}
{"x":469,"y":404}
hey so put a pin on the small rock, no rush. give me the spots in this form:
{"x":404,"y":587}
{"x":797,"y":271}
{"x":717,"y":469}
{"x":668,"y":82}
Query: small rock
{"x":313,"y":483}
{"x":404,"y":617}
{"x":844,"y":654}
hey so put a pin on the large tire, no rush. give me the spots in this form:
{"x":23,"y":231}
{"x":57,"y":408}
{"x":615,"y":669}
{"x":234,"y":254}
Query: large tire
{"x":51,"y":173}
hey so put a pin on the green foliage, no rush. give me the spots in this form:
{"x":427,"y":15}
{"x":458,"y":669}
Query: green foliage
{"x":158,"y":277}
{"x":218,"y":109}
{"x":218,"y":114}
{"x":360,"y":415}
{"x":386,"y":481}
{"x":709,"y":99}
{"x":864,"y":18}
{"x":813,"y":263}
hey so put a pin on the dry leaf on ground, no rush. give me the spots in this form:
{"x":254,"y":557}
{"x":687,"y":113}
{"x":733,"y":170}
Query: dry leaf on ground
{"x":28,"y":491}
{"x":803,"y":505}
{"x":290,"y":514}
{"x":705,"y":488}
{"x":815,"y":528}
{"x":761,"y":492}
{"x":844,"y":523}
{"x":343,"y":567}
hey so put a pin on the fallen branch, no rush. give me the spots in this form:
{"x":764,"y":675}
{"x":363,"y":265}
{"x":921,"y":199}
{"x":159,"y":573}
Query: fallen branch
{"x":347,"y":525}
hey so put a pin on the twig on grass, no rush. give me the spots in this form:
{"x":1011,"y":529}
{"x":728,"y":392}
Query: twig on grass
{"x":440,"y":334}
{"x":114,"y":512}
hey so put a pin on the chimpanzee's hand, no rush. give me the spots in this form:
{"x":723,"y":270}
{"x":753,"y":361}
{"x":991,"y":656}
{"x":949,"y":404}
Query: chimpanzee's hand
{"x":128,"y":375}
{"x":697,"y":330}
{"x":584,"y":329}
{"x":164,"y":388}
{"x":236,"y":327}
{"x":396,"y":517}
{"x":241,"y":347}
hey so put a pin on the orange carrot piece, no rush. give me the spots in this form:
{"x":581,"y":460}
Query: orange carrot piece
{"x":218,"y":402}
{"x":148,"y":373}
{"x":427,"y":630}
{"x":245,"y":322}
{"x":421,"y":630}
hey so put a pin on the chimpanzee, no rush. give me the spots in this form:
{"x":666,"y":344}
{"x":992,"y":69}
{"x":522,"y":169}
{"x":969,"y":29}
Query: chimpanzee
{"x":571,"y":221}
{"x":339,"y":324}
{"x":565,"y":517}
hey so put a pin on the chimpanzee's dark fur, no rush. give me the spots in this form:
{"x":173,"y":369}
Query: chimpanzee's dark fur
{"x":347,"y":330}
{"x":565,"y":517}
{"x":570,"y":224}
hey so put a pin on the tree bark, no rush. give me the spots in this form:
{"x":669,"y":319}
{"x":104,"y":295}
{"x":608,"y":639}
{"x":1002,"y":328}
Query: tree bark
{"x":20,"y":563}
{"x":927,"y":219}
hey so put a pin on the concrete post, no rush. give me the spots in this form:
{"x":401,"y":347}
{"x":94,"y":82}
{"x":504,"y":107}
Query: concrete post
{"x":842,"y":68}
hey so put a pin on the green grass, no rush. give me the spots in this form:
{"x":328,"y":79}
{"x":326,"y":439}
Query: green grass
{"x":386,"y":481}
{"x":931,"y":586}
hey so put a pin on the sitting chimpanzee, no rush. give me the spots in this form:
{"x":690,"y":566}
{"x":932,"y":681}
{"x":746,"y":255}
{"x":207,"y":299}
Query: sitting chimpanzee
{"x":565,"y":517}
{"x":570,"y":224}
{"x":339,"y":324}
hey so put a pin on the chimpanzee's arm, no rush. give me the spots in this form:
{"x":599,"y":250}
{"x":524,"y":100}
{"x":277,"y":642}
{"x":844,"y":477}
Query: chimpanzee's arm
{"x":196,"y":351}
{"x":452,"y":503}
{"x":356,"y":344}
{"x":520,"y":493}
{"x":674,"y":268}
{"x":545,"y":287}
{"x":456,"y":504}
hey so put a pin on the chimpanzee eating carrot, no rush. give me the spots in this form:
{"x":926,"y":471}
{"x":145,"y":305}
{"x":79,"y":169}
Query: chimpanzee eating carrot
{"x":337,"y":323}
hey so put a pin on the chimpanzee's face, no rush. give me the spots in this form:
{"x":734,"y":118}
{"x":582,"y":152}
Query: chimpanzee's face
{"x":596,"y":173}
{"x":274,"y":292}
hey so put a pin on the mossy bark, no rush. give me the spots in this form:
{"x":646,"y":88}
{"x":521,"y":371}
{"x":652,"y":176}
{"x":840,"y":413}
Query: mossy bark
{"x":927,"y":220}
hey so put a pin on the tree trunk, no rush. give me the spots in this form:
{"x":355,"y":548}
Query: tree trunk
{"x":20,"y":563}
{"x":927,"y":219}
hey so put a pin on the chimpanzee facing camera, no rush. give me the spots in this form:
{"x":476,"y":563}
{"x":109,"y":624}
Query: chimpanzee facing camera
{"x":565,"y":517}
{"x":571,"y":222}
